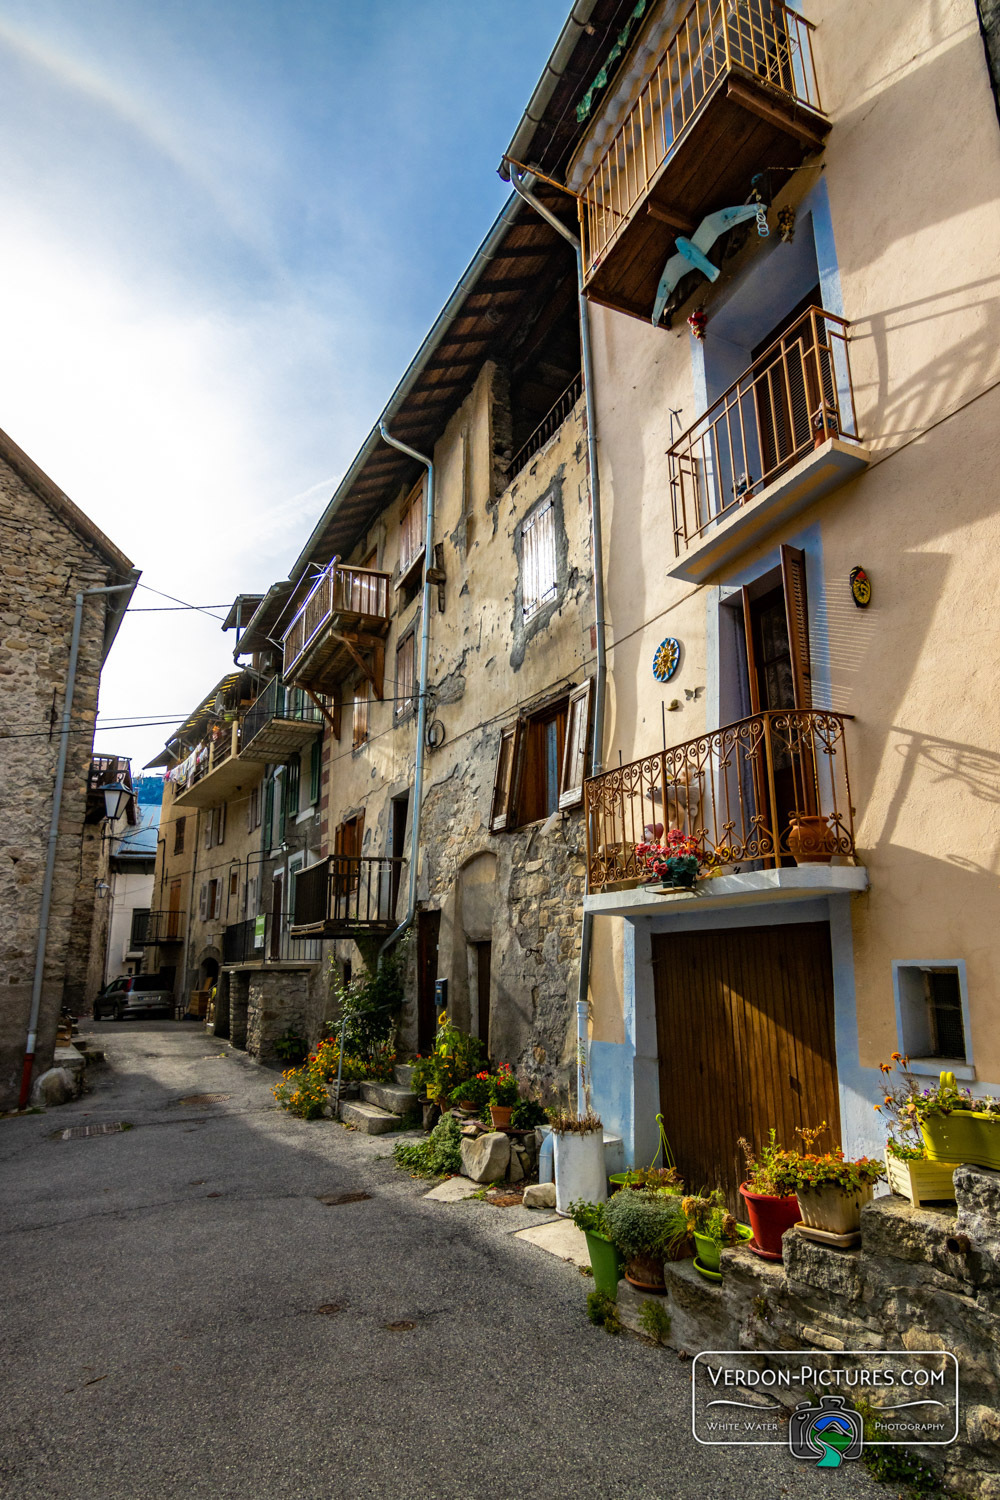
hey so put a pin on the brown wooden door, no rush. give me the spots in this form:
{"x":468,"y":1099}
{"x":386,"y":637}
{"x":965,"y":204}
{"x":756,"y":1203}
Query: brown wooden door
{"x":484,"y":966}
{"x":745,"y":1033}
{"x":174,"y":909}
{"x":428,"y":932}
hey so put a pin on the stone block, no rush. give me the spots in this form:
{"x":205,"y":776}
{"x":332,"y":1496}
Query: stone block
{"x":515,"y":1171}
{"x":699,"y":1316}
{"x":404,"y":1075}
{"x":836,"y":1272}
{"x":540,"y":1195}
{"x":487,"y":1158}
{"x":56,"y":1086}
{"x":389,"y":1096}
{"x":368,"y":1118}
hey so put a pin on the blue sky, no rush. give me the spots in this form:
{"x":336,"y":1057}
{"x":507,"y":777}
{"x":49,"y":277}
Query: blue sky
{"x":226,"y":228}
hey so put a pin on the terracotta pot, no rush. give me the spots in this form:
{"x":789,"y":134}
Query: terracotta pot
{"x":500,"y":1115}
{"x":468,"y":1106}
{"x":811,"y":840}
{"x":770,"y":1216}
{"x":832,"y":1209}
{"x":646,"y":1273}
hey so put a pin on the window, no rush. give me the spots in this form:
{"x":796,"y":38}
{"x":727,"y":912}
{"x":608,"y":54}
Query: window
{"x":405,"y":662}
{"x":541,"y":762}
{"x":140,"y":922}
{"x":293,"y":777}
{"x":539,"y":578}
{"x":315,"y":769}
{"x":269,"y":811}
{"x":411,"y":534}
{"x":215,"y":826}
{"x":250,"y":896}
{"x":932,"y":1014}
{"x":350,"y":835}
{"x":254,"y":809}
{"x":210,"y":900}
{"x":234,"y":884}
{"x":362,"y":700}
{"x":179,"y":836}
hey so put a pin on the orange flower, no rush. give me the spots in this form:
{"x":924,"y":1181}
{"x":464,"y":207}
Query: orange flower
{"x":896,"y":1056}
{"x":877,"y":1108}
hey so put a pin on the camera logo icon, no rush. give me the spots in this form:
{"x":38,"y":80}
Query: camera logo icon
{"x":827,"y":1434}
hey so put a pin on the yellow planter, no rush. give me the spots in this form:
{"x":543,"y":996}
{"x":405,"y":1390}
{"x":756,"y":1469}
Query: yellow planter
{"x":921,"y":1181}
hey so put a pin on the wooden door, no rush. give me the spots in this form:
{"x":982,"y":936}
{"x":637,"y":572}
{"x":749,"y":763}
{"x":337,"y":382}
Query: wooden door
{"x":745,"y":1034}
{"x":484,"y":966}
{"x":428,"y":932}
{"x":174,"y":910}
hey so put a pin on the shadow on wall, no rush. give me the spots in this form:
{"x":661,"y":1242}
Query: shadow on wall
{"x":959,"y":770}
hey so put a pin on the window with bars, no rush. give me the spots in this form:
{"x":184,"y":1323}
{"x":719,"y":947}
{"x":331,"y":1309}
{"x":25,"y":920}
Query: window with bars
{"x":405,"y":674}
{"x":539,"y":568}
{"x":362,"y":701}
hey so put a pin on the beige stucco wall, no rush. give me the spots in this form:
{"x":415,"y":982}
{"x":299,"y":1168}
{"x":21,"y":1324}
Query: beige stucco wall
{"x":911,"y":171}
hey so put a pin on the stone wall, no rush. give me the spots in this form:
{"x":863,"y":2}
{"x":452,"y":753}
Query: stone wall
{"x":922,"y":1279}
{"x":278,"y":998}
{"x":88,"y":936}
{"x":43,"y":563}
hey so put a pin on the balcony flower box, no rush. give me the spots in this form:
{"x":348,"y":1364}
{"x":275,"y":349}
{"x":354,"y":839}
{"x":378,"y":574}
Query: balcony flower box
{"x":965,"y":1136}
{"x":921,"y":1181}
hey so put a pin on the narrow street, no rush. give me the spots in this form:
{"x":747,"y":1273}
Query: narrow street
{"x":184,"y":1317}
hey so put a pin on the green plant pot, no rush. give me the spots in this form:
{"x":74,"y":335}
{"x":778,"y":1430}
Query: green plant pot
{"x":605,"y":1262}
{"x":963,"y":1136}
{"x":710,"y":1254}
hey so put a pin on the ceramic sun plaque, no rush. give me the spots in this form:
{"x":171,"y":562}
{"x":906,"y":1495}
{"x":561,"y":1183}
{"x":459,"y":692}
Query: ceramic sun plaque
{"x":667,"y":659}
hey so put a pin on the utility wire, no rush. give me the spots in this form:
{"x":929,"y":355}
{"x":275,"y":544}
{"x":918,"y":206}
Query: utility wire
{"x":202,"y":608}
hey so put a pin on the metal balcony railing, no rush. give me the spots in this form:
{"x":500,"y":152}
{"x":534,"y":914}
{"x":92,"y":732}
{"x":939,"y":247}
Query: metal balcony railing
{"x":735,"y":790}
{"x":763,"y":37}
{"x":795,"y":396}
{"x":550,"y":424}
{"x":161,"y":927}
{"x":267,"y":940}
{"x":347,"y":893}
{"x":278,"y":702}
{"x":356,"y":593}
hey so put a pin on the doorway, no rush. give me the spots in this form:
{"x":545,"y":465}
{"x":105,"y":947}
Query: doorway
{"x":277,"y":890}
{"x":428,"y":935}
{"x":745,"y":1039}
{"x":399,"y":812}
{"x":481,"y":967}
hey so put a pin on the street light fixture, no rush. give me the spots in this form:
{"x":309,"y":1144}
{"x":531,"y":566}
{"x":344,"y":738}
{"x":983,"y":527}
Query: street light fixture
{"x":116,"y":795}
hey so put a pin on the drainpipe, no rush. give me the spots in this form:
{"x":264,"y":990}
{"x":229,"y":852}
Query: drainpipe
{"x":50,"y":853}
{"x":518,"y":182}
{"x":425,"y":638}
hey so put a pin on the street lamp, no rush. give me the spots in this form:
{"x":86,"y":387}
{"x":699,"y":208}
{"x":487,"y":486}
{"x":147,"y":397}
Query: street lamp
{"x":116,"y":795}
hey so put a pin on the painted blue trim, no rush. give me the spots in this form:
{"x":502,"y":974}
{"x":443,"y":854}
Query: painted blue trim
{"x":625,"y":1076}
{"x":817,"y":204}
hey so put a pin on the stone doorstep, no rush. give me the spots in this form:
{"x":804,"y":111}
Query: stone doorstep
{"x":389,"y":1096}
{"x":558,"y":1237}
{"x":368,"y":1118}
{"x":404,"y":1074}
{"x":69,"y":1058}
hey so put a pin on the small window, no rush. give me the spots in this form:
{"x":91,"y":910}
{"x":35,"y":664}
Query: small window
{"x":234,"y":884}
{"x":539,"y":577}
{"x":293,"y":777}
{"x":315,"y":769}
{"x":362,"y":701}
{"x":932,"y":1011}
{"x":541,"y":762}
{"x":405,"y":660}
{"x":411,"y":534}
{"x":253,"y":809}
{"x":140,"y":922}
{"x":179,"y":836}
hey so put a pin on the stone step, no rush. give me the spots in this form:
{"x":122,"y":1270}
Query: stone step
{"x":391,"y":1096}
{"x":404,"y":1075}
{"x":368,"y":1118}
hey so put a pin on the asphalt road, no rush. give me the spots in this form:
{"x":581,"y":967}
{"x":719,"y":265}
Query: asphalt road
{"x":163,"y":1333}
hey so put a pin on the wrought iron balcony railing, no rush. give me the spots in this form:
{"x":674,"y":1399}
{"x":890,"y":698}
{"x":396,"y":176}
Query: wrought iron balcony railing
{"x":161,"y":927}
{"x":762,"y":40}
{"x":266,"y":940}
{"x":795,"y":396}
{"x":353,"y":597}
{"x":347,"y":894}
{"x":738,"y":791}
{"x":279,"y":722}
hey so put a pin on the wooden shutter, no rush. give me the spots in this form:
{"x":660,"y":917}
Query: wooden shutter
{"x":503,"y":813}
{"x":748,"y":631}
{"x":538,"y":559}
{"x":209,"y":826}
{"x":203,"y":900}
{"x":574,"y":765}
{"x":793,"y":578}
{"x":221,"y":834}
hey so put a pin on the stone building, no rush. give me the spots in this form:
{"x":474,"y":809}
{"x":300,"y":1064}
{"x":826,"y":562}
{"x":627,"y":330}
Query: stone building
{"x":50,"y":555}
{"x":93,"y":898}
{"x":789,"y":258}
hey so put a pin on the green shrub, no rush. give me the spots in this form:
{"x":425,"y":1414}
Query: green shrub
{"x":438,"y":1156}
{"x":655,"y":1321}
{"x":528,"y":1115}
{"x":644,"y":1222}
{"x":602,"y":1310}
{"x":587,"y":1216}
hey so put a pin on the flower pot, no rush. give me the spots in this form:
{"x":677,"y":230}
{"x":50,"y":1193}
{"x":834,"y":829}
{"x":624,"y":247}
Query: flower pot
{"x":468,"y":1105}
{"x":770,"y":1216}
{"x":606,"y":1263}
{"x":709,"y":1253}
{"x":965,"y":1135}
{"x":500,"y":1115}
{"x":834,"y":1209}
{"x":811,"y":840}
{"x":921,"y":1181}
{"x":579,"y":1168}
{"x":645,"y":1272}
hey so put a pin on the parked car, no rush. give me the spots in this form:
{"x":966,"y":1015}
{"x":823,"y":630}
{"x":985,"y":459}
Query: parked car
{"x":133,"y":995}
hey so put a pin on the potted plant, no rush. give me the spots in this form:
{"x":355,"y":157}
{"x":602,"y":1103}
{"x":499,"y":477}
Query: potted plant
{"x":831,"y":1189}
{"x":769,"y":1196}
{"x":503,"y":1096}
{"x":674,"y":861}
{"x":646,"y":1226}
{"x":811,"y":840}
{"x":472,"y":1094}
{"x":651,"y":1176}
{"x":712,"y":1226}
{"x":910,"y":1172}
{"x":605,"y":1260}
{"x":956,"y":1127}
{"x":578,"y":1159}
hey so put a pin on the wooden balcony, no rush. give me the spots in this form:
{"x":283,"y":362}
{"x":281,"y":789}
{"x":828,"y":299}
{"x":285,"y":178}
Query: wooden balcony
{"x":213,"y":771}
{"x":733,"y":94}
{"x":340,"y":627}
{"x":278,"y":724}
{"x":735,"y":790}
{"x":347,"y":895}
{"x":782,"y":435}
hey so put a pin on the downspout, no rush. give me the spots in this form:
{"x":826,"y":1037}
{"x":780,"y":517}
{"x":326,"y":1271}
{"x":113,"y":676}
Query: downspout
{"x":425,"y":638}
{"x":518,"y":183}
{"x":50,"y":853}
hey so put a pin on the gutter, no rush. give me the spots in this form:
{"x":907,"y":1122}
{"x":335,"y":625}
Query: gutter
{"x":425,"y":637}
{"x":521,"y":186}
{"x":563,"y":50}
